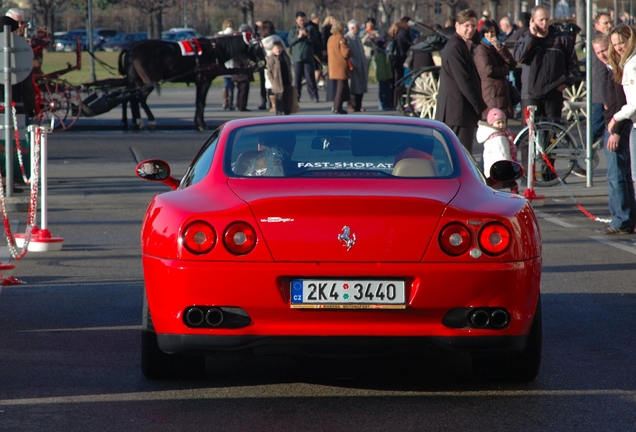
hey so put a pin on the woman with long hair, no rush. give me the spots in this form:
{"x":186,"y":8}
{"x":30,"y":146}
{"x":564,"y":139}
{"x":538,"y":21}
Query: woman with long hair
{"x":494,"y":62}
{"x":622,"y":58}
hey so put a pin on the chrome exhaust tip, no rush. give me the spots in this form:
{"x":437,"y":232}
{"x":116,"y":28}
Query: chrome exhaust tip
{"x":480,"y":318}
{"x":214,"y":317}
{"x":194,"y":317}
{"x":499,"y":318}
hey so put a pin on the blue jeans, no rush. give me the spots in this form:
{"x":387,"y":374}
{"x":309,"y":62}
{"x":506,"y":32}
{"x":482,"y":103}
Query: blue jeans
{"x":622,"y":204}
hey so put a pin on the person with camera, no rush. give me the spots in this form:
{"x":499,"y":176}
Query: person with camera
{"x":302,"y":41}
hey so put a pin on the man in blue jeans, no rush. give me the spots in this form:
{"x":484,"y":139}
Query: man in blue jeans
{"x":303,"y":40}
{"x":622,"y":204}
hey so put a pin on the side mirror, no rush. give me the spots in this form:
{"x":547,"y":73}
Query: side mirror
{"x":156,"y":170}
{"x":505,"y":171}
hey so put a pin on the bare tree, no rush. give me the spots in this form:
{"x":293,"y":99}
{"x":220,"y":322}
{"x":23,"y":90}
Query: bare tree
{"x":453,"y":5}
{"x":47,"y":9}
{"x":247,"y":8}
{"x":153,"y":9}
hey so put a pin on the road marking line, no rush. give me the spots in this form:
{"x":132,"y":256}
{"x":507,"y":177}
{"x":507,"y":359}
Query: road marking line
{"x":620,"y":246}
{"x":554,"y":220}
{"x":308,"y":391}
{"x":137,"y":327}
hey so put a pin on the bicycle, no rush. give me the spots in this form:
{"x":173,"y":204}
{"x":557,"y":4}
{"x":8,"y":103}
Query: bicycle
{"x":561,"y":148}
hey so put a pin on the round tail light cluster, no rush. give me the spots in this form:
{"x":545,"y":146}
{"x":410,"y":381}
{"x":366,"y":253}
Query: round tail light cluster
{"x":199,"y":237}
{"x":239,"y":238}
{"x":455,"y":239}
{"x":494,"y":238}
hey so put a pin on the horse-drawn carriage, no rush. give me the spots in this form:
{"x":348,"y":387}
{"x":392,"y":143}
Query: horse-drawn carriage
{"x":144,"y":67}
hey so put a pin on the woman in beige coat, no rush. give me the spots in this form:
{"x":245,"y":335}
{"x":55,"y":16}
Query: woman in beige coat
{"x":338,"y":51}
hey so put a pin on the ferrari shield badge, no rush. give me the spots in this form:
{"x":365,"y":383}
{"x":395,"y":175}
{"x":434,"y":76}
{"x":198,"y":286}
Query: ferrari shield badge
{"x":347,"y":238}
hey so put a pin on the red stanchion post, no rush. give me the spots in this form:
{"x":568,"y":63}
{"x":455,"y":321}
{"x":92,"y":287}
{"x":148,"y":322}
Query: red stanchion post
{"x":41,"y":239}
{"x":529,"y":193}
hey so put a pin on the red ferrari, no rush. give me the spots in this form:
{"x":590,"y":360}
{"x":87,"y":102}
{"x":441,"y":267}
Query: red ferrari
{"x":334,"y":235}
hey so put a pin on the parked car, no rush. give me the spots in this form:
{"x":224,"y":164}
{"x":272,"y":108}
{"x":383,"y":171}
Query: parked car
{"x":122,"y":40}
{"x":177,"y":36}
{"x":69,"y":41}
{"x":101,"y":36}
{"x":339,"y":236}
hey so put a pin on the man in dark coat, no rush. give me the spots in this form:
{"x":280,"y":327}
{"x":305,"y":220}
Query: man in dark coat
{"x":303,"y":40}
{"x":459,"y":101}
{"x":550,"y":61}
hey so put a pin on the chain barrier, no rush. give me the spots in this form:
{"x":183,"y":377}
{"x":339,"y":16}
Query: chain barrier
{"x":580,"y":207}
{"x":16,"y":131}
{"x":529,"y":114}
{"x":32,"y":203}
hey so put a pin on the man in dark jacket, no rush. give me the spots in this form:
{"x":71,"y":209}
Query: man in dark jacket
{"x":459,"y":101}
{"x":303,"y":40}
{"x":602,"y":25}
{"x":619,"y":179}
{"x":551,"y":63}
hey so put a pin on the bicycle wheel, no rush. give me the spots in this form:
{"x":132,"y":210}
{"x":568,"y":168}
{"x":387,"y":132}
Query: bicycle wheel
{"x":559,"y":147}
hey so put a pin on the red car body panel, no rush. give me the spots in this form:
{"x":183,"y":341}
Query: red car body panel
{"x":397,"y":223}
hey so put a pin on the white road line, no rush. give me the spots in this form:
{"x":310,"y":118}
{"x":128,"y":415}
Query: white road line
{"x":621,"y":246}
{"x":58,"y":330}
{"x":304,"y":391}
{"x":554,"y":220}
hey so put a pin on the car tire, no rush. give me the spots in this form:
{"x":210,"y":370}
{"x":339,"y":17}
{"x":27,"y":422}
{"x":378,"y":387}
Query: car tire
{"x":156,"y":364}
{"x":518,"y":367}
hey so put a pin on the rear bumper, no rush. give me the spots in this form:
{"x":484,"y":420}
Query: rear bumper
{"x":334,"y":346}
{"x":263,"y":291}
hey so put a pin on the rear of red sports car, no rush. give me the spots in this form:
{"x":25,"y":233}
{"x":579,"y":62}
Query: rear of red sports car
{"x":369,"y":233}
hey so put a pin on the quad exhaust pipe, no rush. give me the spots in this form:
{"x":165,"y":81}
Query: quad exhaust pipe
{"x":195,"y":317}
{"x":496,"y":318}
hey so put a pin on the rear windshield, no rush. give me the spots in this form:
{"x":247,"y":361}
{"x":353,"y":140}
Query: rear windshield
{"x":339,"y":150}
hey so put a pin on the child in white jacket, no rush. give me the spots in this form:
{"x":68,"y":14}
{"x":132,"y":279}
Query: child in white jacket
{"x":497,"y":140}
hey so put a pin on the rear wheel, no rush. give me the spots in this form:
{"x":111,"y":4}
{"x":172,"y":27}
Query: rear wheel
{"x":59,"y":102}
{"x":517,"y":367}
{"x":156,"y":364}
{"x":560,"y":148}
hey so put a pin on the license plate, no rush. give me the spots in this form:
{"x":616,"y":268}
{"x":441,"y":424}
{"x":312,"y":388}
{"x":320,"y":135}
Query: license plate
{"x":347,"y":294}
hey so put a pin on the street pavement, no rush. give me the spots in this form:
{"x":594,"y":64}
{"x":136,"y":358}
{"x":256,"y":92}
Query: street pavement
{"x":70,"y":334}
{"x":174,"y":110}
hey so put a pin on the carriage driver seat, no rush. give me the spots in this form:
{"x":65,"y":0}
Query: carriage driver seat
{"x":415,"y":167}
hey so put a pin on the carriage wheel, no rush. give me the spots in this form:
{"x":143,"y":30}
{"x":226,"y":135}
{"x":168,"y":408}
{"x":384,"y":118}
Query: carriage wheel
{"x":575,"y":93}
{"x":421,"y":94}
{"x":59,"y":102}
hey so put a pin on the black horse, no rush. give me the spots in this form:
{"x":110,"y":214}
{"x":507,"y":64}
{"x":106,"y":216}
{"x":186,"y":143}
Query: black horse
{"x":148,"y":63}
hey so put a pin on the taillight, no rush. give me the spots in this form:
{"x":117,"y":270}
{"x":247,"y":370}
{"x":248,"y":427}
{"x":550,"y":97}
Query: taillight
{"x":239,"y":238}
{"x":199,"y":237}
{"x":494,"y":238}
{"x":454,"y":239}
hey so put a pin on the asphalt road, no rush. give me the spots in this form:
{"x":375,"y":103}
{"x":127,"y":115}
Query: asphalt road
{"x":70,"y":335}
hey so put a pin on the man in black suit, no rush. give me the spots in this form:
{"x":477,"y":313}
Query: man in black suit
{"x":459,"y":101}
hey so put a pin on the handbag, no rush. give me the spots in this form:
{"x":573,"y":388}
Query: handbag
{"x":350,"y":64}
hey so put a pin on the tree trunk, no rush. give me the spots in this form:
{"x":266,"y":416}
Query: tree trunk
{"x":492,"y":8}
{"x":159,"y":23}
{"x":151,"y":27}
{"x":581,"y":17}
